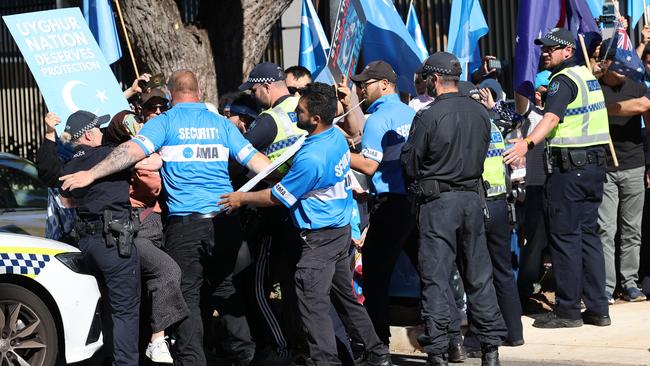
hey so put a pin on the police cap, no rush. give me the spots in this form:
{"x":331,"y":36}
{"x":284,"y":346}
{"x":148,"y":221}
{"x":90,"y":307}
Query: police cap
{"x":266,"y":72}
{"x":557,"y":37}
{"x":441,"y":63}
{"x":82,"y":121}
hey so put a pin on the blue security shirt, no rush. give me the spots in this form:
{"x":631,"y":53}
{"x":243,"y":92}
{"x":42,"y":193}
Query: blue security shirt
{"x":384,"y":133}
{"x":195,"y":145}
{"x":316,"y":188}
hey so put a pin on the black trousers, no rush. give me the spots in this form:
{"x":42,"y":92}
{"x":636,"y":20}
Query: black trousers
{"x":450,"y":226}
{"x":573,"y":198}
{"x":324,"y":278}
{"x":531,"y":258}
{"x":121,"y":278}
{"x":498,"y":233}
{"x":206,"y":251}
{"x":392,"y":228}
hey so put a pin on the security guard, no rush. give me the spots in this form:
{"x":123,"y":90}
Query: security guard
{"x":274,"y":246}
{"x":576,"y":128}
{"x":391,"y":224}
{"x":103,"y":209}
{"x":498,"y":233}
{"x":318,"y":194}
{"x":443,"y":162}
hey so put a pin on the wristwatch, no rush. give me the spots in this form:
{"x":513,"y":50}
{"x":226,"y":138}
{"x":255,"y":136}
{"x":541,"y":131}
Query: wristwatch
{"x":530,"y":143}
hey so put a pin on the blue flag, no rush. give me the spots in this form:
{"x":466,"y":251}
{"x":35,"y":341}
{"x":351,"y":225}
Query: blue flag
{"x":386,"y":38}
{"x":313,"y":43}
{"x":596,"y":7}
{"x":99,"y":16}
{"x":466,"y":26}
{"x":634,"y":11}
{"x":534,"y":19}
{"x":413,"y":26}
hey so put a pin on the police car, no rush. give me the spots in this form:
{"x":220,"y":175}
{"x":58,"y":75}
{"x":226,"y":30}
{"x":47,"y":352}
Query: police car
{"x":49,"y":304}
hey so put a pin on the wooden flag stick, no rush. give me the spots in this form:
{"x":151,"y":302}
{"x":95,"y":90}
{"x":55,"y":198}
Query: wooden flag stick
{"x":588,"y":62}
{"x":645,"y":12}
{"x":126,"y":37}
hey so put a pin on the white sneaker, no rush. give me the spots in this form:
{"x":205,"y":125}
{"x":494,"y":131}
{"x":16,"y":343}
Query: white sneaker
{"x":158,"y":351}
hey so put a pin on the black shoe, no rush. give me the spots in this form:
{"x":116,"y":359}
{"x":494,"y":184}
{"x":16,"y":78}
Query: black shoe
{"x":473,"y":352}
{"x":550,"y":320}
{"x":517,"y":343}
{"x":437,"y":360}
{"x":595,"y":319}
{"x":456,"y":353}
{"x":490,"y":356}
{"x":378,"y":360}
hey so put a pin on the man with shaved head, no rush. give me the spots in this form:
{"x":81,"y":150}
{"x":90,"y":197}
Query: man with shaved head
{"x":195,"y":145}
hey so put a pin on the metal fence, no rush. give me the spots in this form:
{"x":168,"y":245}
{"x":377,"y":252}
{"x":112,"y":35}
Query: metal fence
{"x":21,"y":104}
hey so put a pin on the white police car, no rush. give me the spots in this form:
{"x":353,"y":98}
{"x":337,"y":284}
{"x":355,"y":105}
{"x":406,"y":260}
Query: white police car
{"x":49,"y":306}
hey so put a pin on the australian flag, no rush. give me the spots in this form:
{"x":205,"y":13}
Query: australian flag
{"x":626,"y":61}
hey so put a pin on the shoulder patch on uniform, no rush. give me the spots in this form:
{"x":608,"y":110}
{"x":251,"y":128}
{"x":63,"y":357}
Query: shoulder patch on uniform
{"x":553,"y":87}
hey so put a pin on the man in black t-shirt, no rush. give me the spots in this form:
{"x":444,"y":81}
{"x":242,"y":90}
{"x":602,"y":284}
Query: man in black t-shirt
{"x":622,"y":206}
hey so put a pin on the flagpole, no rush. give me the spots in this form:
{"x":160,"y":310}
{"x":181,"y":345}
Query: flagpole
{"x":126,"y":37}
{"x":588,"y":62}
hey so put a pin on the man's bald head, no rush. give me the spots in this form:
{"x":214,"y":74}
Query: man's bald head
{"x":184,"y":86}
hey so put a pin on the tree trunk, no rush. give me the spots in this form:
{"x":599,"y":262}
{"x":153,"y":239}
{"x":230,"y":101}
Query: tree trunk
{"x":228,"y":40}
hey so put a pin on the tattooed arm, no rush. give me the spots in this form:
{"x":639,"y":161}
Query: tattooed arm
{"x":121,"y":158}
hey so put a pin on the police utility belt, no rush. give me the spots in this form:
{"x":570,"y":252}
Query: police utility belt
{"x":120,"y":232}
{"x":427,"y":190}
{"x":568,"y":159}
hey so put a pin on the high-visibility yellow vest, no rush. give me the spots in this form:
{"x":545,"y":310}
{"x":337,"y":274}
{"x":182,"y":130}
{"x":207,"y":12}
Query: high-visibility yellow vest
{"x":284,"y":116}
{"x":585,"y":122}
{"x":494,"y":171}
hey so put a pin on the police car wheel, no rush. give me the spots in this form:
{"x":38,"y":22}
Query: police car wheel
{"x":27,"y":330}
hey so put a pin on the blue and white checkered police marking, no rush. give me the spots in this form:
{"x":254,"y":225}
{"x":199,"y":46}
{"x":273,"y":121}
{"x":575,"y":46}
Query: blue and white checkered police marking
{"x":24,"y":264}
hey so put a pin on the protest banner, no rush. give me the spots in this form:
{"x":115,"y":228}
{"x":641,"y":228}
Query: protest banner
{"x":346,"y":42}
{"x":66,"y":62}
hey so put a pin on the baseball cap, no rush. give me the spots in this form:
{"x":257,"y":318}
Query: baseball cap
{"x":467,"y":88}
{"x":266,"y":72}
{"x":495,"y":87}
{"x":82,"y":121}
{"x":376,"y":70}
{"x":442,"y":63}
{"x":557,"y":37}
{"x":153,"y":93}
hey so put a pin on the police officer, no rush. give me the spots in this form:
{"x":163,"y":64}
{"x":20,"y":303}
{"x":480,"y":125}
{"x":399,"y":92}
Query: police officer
{"x":497,"y":230}
{"x":104,"y":203}
{"x":195,"y":146}
{"x":443,"y":162}
{"x":576,"y":128}
{"x":391,"y":224}
{"x":317,"y":192}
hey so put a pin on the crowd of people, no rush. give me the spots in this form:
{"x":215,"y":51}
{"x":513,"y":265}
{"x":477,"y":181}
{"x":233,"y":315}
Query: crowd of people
{"x":153,"y":199}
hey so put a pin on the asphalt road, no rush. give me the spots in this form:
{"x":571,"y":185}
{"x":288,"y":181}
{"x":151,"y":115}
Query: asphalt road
{"x":420,"y":360}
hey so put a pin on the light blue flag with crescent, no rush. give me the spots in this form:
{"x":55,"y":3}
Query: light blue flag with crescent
{"x":413,"y":26}
{"x":99,"y":16}
{"x":634,"y":11}
{"x":69,"y":68}
{"x":466,"y":26}
{"x":313,"y":43}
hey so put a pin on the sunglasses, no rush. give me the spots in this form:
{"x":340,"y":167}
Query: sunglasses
{"x":364,"y":86}
{"x":548,"y":49}
{"x":154,"y":107}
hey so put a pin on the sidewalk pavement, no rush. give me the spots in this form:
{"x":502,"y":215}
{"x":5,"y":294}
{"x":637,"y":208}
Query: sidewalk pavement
{"x":625,"y":342}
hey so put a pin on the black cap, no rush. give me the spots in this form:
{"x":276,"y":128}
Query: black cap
{"x":154,"y":93}
{"x":266,"y":72}
{"x":557,"y":37}
{"x":608,"y":48}
{"x":82,"y":121}
{"x":442,"y":63}
{"x":467,"y":88}
{"x":376,"y":70}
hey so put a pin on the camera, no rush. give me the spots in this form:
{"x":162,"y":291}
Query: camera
{"x":497,"y":65}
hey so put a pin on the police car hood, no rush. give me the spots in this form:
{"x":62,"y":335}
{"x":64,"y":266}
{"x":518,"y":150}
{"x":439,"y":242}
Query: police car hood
{"x":19,"y":240}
